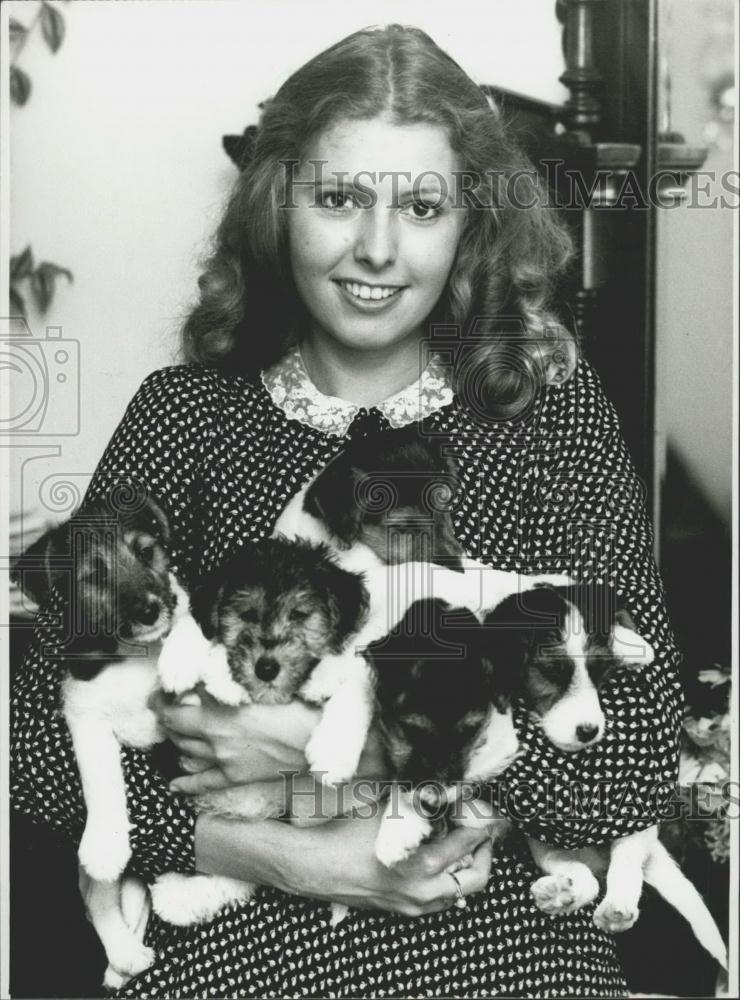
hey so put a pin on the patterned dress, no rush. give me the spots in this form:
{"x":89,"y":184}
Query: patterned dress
{"x":550,"y":490}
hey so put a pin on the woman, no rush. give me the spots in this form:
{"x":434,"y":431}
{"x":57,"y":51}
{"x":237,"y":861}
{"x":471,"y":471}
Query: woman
{"x":359,"y":280}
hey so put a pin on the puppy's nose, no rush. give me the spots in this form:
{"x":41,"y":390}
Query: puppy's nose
{"x":587,"y":732}
{"x":267,"y":668}
{"x":149,"y":613}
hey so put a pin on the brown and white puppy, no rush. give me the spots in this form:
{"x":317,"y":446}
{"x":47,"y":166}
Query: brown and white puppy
{"x":273,"y":613}
{"x":564,"y":643}
{"x":384,"y":499}
{"x":109,"y":563}
{"x":442,"y":711}
{"x":392,"y":492}
{"x":278,"y":608}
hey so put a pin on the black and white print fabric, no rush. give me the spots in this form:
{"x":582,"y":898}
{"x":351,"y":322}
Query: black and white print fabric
{"x":552,"y":490}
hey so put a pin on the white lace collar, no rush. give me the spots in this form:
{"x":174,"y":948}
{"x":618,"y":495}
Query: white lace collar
{"x":291,"y":389}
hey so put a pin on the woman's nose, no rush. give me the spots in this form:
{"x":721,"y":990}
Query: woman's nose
{"x":376,"y":242}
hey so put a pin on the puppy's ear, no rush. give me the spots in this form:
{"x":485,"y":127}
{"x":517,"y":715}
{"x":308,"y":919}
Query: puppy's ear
{"x":508,"y":634}
{"x":149,"y":517}
{"x":345,"y":597}
{"x":157,"y":520}
{"x":40,"y":567}
{"x":331,"y":498}
{"x":205,"y":603}
{"x":628,"y":645}
{"x":623,"y":617}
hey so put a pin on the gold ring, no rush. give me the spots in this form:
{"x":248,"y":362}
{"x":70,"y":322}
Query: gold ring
{"x":461,"y":902}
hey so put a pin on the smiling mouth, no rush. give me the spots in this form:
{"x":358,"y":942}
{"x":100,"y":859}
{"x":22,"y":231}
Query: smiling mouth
{"x":369,"y":293}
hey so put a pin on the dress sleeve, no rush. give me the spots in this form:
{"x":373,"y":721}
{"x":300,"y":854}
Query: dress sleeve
{"x":160,"y":444}
{"x":583,"y":513}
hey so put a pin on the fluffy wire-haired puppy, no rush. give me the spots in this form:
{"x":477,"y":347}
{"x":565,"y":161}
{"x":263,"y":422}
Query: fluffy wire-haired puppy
{"x":109,"y":562}
{"x":389,"y":493}
{"x":277,"y":609}
{"x":274,"y":612}
{"x":443,"y":716}
{"x":563,"y":643}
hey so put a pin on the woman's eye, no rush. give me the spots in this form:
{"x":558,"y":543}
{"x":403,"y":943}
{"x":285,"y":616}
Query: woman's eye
{"x":337,"y":201}
{"x":422,"y":211}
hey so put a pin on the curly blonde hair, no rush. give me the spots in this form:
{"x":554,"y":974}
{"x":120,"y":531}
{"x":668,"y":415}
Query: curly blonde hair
{"x":508,"y":259}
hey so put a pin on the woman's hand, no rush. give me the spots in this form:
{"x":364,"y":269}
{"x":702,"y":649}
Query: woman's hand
{"x":226,"y":746}
{"x":239,"y":745}
{"x":339,"y":864}
{"x":336,"y":862}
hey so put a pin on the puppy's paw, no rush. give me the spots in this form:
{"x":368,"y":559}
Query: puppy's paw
{"x":244,"y":801}
{"x":104,"y":852}
{"x":183,"y":900}
{"x":183,"y":653}
{"x":564,"y":893}
{"x":129,"y":958}
{"x":332,"y":761}
{"x":339,"y":912}
{"x":219,"y":682}
{"x":399,"y":836}
{"x":614,"y":915}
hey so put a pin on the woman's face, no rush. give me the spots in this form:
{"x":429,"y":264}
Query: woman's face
{"x":373,"y":231}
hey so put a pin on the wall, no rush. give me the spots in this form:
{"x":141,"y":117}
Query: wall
{"x":695,"y":266}
{"x":118,"y":172}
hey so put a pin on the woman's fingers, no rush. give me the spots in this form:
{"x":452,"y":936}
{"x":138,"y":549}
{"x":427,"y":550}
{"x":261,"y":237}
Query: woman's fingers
{"x":198,"y":749}
{"x":187,"y":720}
{"x":444,"y":887}
{"x":438,"y":856}
{"x":195,"y":784}
{"x":193,"y":765}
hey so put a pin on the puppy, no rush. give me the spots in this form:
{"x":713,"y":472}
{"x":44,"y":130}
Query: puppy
{"x":384,"y":499}
{"x":274,"y":611}
{"x":563,"y":643}
{"x":120,"y":600}
{"x":443,"y":715}
{"x":392,"y":591}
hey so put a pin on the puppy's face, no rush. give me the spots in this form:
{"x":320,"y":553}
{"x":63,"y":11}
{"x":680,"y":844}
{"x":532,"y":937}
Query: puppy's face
{"x":393,"y":492}
{"x":559,"y":645}
{"x":112,"y":569}
{"x":433,"y":691}
{"x":278,"y":608}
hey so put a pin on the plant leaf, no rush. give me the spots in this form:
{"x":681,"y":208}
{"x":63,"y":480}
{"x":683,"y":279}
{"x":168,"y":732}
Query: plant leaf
{"x":52,"y":26}
{"x":17,"y":305}
{"x":20,"y":86}
{"x":54,"y":270}
{"x":22,"y":265}
{"x":17,"y":31}
{"x":43,"y":283}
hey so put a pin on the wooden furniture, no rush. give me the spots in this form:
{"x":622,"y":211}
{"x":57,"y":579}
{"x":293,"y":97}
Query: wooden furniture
{"x":609,"y":168}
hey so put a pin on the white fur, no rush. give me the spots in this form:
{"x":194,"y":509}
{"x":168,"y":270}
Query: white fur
{"x":194,"y":899}
{"x":579,"y":705}
{"x":402,"y":829}
{"x":570,"y":884}
{"x":496,"y":749}
{"x":569,"y":881}
{"x":631,"y":648}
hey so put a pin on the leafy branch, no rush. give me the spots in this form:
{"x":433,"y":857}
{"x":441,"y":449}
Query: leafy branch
{"x":51,"y":22}
{"x":40,"y":279}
